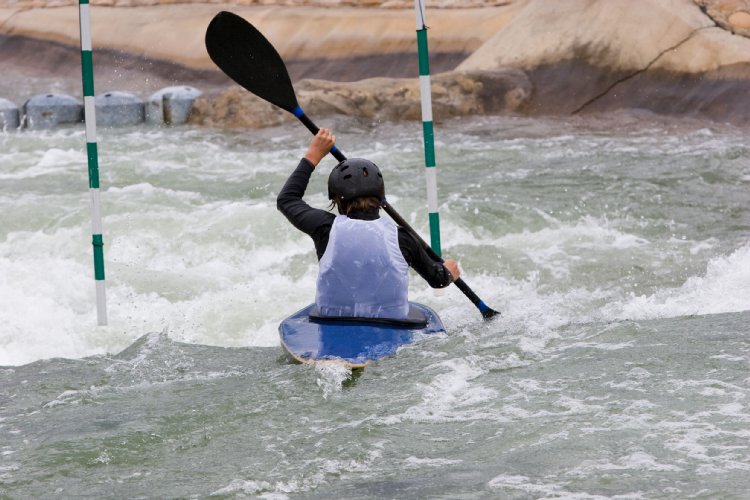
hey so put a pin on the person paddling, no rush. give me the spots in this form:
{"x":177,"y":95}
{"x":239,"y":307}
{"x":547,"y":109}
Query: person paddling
{"x":363,"y":259}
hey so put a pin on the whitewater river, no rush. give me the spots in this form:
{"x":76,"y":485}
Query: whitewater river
{"x":617,"y":249}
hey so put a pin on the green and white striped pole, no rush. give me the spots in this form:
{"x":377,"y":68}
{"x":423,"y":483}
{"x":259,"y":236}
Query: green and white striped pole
{"x":427,"y":127}
{"x":89,"y":111}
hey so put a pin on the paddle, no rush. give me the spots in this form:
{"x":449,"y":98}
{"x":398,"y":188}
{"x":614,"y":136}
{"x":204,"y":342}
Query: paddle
{"x":248,"y":58}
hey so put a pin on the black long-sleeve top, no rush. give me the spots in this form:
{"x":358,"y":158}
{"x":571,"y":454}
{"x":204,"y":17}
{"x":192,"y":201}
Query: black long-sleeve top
{"x":317,"y":224}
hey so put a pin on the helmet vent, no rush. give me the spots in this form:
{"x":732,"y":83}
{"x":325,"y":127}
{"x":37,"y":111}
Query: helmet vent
{"x":347,"y":176}
{"x":344,"y":167}
{"x":365,"y":173}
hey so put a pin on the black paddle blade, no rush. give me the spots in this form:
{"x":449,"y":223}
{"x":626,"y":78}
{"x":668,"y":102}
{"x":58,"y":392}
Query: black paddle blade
{"x":488,"y":313}
{"x":248,"y":58}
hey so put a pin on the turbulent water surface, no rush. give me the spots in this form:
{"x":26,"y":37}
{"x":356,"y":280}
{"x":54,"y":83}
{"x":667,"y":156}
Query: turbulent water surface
{"x":617,"y":249}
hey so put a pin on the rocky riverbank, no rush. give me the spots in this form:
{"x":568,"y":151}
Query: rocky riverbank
{"x":535,"y":57}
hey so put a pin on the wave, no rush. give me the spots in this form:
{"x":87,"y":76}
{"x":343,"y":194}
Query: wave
{"x":724,"y":288}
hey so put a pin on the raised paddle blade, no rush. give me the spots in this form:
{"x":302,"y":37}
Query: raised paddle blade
{"x":248,"y":58}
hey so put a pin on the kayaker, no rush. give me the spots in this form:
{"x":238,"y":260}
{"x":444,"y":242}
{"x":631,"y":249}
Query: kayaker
{"x":363,"y":259}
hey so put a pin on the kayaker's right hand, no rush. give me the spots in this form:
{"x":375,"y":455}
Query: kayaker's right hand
{"x":452,"y":266}
{"x":320,"y":146}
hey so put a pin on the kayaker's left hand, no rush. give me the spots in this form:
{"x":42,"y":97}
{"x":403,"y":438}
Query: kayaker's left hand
{"x":452,"y":266}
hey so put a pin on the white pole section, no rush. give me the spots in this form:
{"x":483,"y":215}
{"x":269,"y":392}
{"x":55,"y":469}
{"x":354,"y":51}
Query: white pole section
{"x":87,"y":70}
{"x":427,"y":127}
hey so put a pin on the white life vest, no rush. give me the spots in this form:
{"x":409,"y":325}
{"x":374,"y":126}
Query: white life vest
{"x":363,"y":273}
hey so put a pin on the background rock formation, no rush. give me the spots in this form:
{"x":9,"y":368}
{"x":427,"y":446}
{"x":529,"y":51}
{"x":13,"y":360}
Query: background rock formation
{"x":677,"y":57}
{"x":454,"y":94}
{"x":666,"y":56}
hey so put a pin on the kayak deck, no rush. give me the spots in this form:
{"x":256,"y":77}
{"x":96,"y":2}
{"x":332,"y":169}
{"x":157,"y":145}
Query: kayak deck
{"x":351,"y":342}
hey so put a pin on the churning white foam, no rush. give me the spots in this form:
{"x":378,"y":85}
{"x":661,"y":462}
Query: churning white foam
{"x":724,"y":288}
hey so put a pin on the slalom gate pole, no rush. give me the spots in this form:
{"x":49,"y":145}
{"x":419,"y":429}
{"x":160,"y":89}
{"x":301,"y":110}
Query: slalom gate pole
{"x":427,"y":127}
{"x":87,"y":70}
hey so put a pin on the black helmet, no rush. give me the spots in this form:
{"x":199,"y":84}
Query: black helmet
{"x":353,"y":178}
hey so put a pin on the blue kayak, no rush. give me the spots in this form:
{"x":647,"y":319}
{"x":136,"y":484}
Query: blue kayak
{"x":353,"y":342}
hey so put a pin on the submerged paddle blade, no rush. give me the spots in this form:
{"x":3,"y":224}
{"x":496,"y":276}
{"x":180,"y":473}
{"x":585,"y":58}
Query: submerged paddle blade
{"x":248,"y":58}
{"x":489,"y":313}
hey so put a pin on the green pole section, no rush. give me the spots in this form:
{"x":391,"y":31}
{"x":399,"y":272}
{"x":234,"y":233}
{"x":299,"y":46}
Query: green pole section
{"x":427,"y":127}
{"x":92,"y":154}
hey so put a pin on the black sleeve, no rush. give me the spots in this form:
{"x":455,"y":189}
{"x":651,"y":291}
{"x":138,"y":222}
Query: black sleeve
{"x":433,"y":272}
{"x":312,"y":221}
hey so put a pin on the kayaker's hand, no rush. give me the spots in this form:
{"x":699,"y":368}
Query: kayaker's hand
{"x":320,"y":146}
{"x":452,"y":266}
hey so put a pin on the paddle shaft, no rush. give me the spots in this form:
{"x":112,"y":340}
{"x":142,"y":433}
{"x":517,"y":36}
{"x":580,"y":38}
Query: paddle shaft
{"x":246,"y":56}
{"x":486,"y":311}
{"x":307,"y":122}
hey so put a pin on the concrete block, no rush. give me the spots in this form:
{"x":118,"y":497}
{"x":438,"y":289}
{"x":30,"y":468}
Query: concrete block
{"x":49,"y":110}
{"x":171,"y":105}
{"x":9,"y":115}
{"x":119,"y":109}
